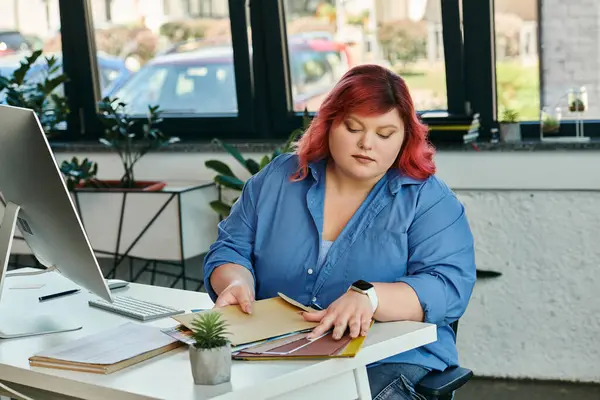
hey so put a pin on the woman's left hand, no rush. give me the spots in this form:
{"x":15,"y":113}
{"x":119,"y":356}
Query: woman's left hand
{"x":352,"y":310}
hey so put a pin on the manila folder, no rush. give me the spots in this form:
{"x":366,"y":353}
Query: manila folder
{"x":270,"y":318}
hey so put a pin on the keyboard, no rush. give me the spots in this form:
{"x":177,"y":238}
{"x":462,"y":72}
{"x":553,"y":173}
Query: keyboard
{"x":135,"y":308}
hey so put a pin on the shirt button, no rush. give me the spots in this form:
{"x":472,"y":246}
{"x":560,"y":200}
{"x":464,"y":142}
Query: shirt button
{"x":314,"y":299}
{"x":310,"y":271}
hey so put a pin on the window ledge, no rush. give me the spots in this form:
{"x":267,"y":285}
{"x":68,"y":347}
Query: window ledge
{"x":526,"y":145}
{"x":269,"y":146}
{"x":245,"y":146}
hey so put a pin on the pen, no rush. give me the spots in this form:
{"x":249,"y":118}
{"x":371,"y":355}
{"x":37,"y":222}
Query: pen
{"x":59,"y":294}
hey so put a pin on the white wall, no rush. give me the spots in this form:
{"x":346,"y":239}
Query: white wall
{"x":536,"y":219}
{"x":536,"y":170}
{"x":540,"y":319}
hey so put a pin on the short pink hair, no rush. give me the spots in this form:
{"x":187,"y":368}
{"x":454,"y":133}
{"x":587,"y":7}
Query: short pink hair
{"x":368,"y":90}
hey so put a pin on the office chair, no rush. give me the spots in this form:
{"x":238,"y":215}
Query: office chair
{"x":440,"y":385}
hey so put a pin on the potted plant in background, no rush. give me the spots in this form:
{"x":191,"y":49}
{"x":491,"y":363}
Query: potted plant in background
{"x":210,"y":355}
{"x":127,"y":218}
{"x":36,"y":85}
{"x":227,"y":179}
{"x":550,"y":122}
{"x":510,"y":129}
{"x":120,"y":135}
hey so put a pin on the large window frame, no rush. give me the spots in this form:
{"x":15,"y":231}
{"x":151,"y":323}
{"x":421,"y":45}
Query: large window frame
{"x":83,"y":92}
{"x":530,"y":130}
{"x":279,"y":91}
{"x":263,"y":95}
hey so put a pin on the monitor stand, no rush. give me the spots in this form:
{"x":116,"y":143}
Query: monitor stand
{"x":18,"y":325}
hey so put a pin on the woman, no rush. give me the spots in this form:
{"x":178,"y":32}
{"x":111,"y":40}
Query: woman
{"x":357,"y":206}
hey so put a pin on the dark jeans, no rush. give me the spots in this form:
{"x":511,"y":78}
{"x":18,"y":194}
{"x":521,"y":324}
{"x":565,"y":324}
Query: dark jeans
{"x":395,"y":381}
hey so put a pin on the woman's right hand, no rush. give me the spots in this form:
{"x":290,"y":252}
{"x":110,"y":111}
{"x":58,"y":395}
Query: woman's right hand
{"x":238,"y":292}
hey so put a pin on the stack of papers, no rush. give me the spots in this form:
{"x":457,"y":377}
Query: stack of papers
{"x":274,"y":330}
{"x":108,"y":351}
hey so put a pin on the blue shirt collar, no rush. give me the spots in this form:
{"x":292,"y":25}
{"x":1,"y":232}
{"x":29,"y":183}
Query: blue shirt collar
{"x":396,"y":179}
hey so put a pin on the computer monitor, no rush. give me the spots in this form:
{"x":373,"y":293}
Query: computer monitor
{"x":38,"y":202}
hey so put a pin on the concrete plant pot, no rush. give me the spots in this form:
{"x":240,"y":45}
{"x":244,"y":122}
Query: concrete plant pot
{"x":510,"y":132}
{"x":211,"y":366}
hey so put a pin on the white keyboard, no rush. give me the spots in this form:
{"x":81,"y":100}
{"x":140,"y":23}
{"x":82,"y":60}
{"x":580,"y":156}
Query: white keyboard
{"x":135,"y":308}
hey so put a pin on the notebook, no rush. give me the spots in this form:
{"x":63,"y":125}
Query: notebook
{"x":107,"y":351}
{"x":270,"y":318}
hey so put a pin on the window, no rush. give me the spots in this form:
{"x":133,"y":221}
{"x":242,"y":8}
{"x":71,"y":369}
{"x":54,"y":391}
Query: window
{"x":213,"y":76}
{"x":178,"y":55}
{"x":191,"y":58}
{"x":25,"y":28}
{"x":518,"y":62}
{"x":326,"y":38}
{"x":545,"y":64}
{"x":569,"y":57}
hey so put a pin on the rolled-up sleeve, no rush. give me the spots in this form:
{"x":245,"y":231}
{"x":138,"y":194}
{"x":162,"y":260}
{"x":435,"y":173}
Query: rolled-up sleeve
{"x":235,"y":238}
{"x":236,"y":233}
{"x":441,"y":261}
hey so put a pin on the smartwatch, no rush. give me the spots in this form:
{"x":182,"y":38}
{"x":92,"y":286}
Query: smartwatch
{"x":367,"y":289}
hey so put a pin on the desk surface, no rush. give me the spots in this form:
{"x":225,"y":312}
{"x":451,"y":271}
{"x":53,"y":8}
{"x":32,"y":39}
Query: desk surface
{"x":167,"y":376}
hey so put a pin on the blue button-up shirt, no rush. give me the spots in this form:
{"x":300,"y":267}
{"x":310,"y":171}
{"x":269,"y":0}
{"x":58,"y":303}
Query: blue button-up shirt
{"x":407,"y":230}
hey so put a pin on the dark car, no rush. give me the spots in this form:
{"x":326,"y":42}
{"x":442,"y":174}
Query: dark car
{"x":111,"y":70}
{"x":12,"y":42}
{"x":202,"y":81}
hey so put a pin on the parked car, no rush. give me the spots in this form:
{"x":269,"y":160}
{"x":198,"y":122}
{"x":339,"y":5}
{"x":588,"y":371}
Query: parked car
{"x":315,"y":66}
{"x":202,"y":81}
{"x":12,"y":42}
{"x":111,"y":70}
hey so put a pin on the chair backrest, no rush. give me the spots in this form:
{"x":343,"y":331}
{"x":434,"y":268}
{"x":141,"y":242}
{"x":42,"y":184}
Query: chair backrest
{"x":454,"y":327}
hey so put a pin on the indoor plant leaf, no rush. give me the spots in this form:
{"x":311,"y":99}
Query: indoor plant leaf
{"x":220,"y":208}
{"x":252,"y":166}
{"x":229,"y":182}
{"x":220,"y":167}
{"x":265,"y":160}
{"x":233,"y":151}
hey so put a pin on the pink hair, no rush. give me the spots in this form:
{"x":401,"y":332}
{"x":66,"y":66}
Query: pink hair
{"x":368,"y":90}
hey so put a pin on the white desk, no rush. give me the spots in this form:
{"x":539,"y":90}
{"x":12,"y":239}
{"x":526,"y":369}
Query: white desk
{"x":169,"y":376}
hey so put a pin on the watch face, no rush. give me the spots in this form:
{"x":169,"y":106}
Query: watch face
{"x":362,"y":285}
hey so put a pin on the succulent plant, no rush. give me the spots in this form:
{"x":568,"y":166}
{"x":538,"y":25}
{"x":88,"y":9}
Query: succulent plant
{"x":209,"y":330}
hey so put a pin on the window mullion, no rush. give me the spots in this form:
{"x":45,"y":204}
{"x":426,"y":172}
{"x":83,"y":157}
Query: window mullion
{"x":79,"y":64}
{"x":274,"y":64}
{"x":480,"y":70}
{"x":238,"y":12}
{"x":454,"y":56}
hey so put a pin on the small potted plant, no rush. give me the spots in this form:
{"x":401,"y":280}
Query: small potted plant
{"x":210,"y":355}
{"x":129,"y":143}
{"x":577,"y":100}
{"x":577,"y":105}
{"x":510,"y":130}
{"x":550,"y":122}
